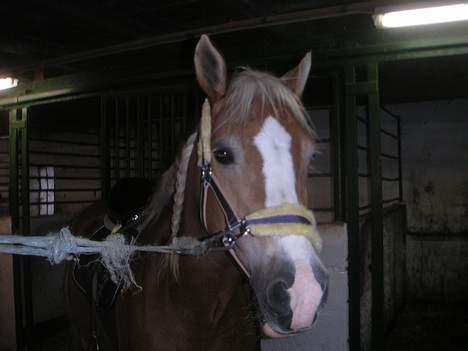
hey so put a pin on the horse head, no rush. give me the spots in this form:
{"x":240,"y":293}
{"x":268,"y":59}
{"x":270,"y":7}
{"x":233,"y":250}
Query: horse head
{"x":260,"y":147}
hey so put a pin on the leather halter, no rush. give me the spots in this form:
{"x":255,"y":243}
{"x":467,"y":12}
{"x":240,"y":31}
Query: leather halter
{"x":288,"y":219}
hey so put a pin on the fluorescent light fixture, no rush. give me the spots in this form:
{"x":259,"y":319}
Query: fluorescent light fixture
{"x":8,"y":82}
{"x":422,"y":16}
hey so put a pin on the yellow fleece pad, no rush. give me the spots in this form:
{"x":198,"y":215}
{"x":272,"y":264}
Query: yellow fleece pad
{"x":307,"y":230}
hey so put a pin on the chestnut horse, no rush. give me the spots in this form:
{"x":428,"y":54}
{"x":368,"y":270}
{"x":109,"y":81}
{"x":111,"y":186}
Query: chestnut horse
{"x":252,"y":153}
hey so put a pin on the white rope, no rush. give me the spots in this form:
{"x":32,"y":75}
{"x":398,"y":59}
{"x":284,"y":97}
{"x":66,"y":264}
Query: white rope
{"x":115,"y":253}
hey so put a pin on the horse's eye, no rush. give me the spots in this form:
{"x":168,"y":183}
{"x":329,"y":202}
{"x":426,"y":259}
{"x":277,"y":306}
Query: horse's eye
{"x":224,"y":156}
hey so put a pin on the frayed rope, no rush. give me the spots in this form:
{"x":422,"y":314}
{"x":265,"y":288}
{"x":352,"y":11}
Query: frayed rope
{"x":115,"y":253}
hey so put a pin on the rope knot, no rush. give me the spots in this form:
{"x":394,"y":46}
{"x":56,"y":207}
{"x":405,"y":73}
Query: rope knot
{"x":62,"y":246}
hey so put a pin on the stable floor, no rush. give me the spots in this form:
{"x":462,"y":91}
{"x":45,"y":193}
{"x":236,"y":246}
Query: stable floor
{"x":430,"y":327}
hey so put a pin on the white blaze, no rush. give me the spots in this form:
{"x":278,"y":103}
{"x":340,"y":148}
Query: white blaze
{"x":274,"y":144}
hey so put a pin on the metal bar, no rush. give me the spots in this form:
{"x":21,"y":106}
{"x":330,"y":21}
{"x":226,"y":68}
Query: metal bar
{"x":64,"y":202}
{"x":104,"y":150}
{"x":161,"y":131}
{"x":383,"y":131}
{"x":319,"y":175}
{"x":50,"y":97}
{"x":400,"y":167}
{"x":184,"y":114}
{"x":116,"y":138}
{"x":69,"y":142}
{"x":375,"y":169}
{"x":390,"y":179}
{"x":366,"y":207}
{"x":390,"y":113}
{"x":138,"y":131}
{"x":149,"y":146}
{"x":127,"y":134}
{"x":66,"y":178}
{"x":390,"y":200}
{"x":172,"y":126}
{"x":362,"y":148}
{"x":68,"y":190}
{"x":362,"y":120}
{"x":383,"y":154}
{"x":25,"y":225}
{"x":415,"y":50}
{"x":352,"y":211}
{"x":67,"y":154}
{"x":25,"y":171}
{"x":65,"y":166}
{"x":14,"y":212}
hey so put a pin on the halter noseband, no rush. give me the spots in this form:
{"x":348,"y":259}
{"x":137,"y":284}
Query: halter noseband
{"x":287,"y":219}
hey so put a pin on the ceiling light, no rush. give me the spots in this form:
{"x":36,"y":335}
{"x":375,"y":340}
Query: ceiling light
{"x":8,"y":82}
{"x":422,"y":16}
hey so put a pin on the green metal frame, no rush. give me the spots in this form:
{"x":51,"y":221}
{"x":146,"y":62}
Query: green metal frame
{"x":19,"y":210}
{"x":369,"y":90}
{"x":351,"y":197}
{"x":375,"y":172}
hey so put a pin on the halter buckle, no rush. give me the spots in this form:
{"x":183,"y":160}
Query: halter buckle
{"x":206,"y":172}
{"x":244,"y":229}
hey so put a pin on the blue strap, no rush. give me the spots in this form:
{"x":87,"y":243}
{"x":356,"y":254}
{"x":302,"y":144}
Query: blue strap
{"x":279,"y":219}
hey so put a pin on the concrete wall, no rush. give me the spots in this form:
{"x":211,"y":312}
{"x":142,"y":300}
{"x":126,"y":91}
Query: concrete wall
{"x":435,"y":170}
{"x":435,"y":164}
{"x":394,"y":270}
{"x":437,"y":268}
{"x":330,"y":333}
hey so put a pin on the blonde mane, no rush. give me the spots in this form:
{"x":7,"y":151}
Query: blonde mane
{"x":249,"y":86}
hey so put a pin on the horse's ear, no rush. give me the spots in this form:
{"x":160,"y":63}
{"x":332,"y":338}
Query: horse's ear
{"x":296,"y":78}
{"x":210,"y":69}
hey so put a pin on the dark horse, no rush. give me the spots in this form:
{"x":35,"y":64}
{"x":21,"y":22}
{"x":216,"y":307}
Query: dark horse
{"x":257,"y":143}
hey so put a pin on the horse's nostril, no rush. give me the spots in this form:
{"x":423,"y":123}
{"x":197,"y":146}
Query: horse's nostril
{"x":278,"y":297}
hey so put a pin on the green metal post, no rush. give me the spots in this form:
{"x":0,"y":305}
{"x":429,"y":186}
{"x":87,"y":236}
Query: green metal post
{"x":336,"y":145}
{"x":14,"y":211}
{"x":352,"y":208}
{"x":19,"y":146}
{"x":25,"y":211}
{"x":26,"y":225}
{"x":13,"y":172}
{"x":375,"y":171}
{"x":400,"y":168}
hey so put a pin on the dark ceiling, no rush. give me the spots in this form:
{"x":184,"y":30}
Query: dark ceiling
{"x":36,"y":31}
{"x":148,"y":38}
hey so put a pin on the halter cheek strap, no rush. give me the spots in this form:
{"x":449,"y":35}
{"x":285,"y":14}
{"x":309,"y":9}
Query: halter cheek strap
{"x":286,"y":219}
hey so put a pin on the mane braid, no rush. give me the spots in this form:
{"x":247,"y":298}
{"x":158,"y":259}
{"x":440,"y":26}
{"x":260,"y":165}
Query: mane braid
{"x":181,"y":179}
{"x":172,"y":261}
